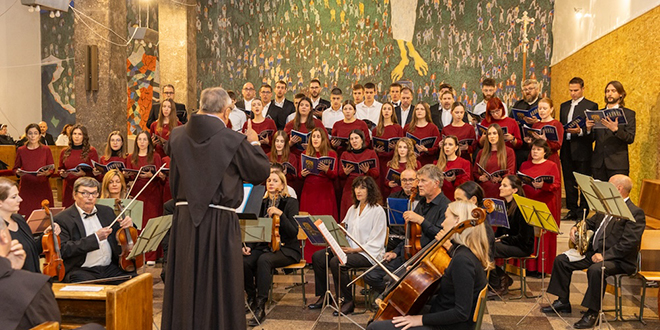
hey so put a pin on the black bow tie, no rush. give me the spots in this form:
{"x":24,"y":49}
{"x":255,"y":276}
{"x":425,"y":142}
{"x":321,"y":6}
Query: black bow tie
{"x":87,"y":215}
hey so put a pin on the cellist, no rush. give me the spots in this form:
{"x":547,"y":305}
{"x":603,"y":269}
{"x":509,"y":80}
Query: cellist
{"x":429,"y":214}
{"x":259,"y":259}
{"x":465,"y":276}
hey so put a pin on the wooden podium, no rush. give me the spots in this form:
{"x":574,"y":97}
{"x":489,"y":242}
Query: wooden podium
{"x":117,"y":307}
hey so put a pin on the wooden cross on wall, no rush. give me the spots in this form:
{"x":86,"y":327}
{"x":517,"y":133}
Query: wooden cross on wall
{"x":525,"y":20}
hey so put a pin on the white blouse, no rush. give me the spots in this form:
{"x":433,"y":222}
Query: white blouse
{"x":368,"y":228}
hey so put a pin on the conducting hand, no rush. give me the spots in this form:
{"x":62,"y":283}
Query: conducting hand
{"x":252,"y":136}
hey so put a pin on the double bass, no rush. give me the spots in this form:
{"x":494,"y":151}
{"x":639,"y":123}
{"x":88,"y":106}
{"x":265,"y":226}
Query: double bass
{"x":413,"y":243}
{"x":126,"y":238}
{"x":50,"y":243}
{"x":408,"y":294}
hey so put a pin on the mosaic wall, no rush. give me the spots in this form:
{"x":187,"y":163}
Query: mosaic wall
{"x":58,"y":105}
{"x":341,"y":42}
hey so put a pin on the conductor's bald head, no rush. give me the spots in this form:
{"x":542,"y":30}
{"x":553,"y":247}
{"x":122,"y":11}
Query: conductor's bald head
{"x":623,"y":183}
{"x":214,"y":100}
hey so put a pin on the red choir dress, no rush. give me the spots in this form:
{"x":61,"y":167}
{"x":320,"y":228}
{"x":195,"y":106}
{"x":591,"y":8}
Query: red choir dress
{"x":448,"y":187}
{"x":164,"y":133}
{"x":394,"y":130}
{"x":343,"y":130}
{"x":547,"y":195}
{"x":70,"y":162}
{"x":318,"y":197}
{"x":167,"y":193}
{"x":355,"y":156}
{"x":464,"y":132}
{"x":424,"y":132}
{"x":112,"y":158}
{"x":151,"y":197}
{"x":32,"y":188}
{"x":555,"y":146}
{"x":512,"y":128}
{"x":266,"y":125}
{"x":387,"y":191}
{"x":292,"y":179}
{"x":296,"y":149}
{"x":492,"y":190}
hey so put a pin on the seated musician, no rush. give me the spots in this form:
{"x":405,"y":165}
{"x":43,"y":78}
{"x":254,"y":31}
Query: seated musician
{"x":258,"y":258}
{"x":366,"y":222}
{"x":622,"y":239}
{"x":408,"y":182}
{"x":472,"y":192}
{"x":460,"y":285}
{"x":89,"y":248}
{"x":429,"y":214}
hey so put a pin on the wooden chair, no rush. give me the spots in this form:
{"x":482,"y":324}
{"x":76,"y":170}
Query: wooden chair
{"x":481,"y":308}
{"x":522,"y":261}
{"x":52,"y":325}
{"x":649,"y":266}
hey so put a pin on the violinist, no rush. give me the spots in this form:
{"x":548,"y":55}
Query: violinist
{"x":460,"y":285}
{"x":89,"y":248}
{"x":10,"y":203}
{"x":429,"y":214}
{"x":114,"y":185}
{"x":366,"y":222}
{"x":259,"y":260}
{"x":408,"y":182}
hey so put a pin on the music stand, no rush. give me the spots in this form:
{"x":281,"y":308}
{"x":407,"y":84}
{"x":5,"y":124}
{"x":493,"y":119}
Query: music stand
{"x":39,"y":220}
{"x":538,"y":215}
{"x":319,"y":235}
{"x":255,"y":231}
{"x":604,"y":198}
{"x":151,"y":236}
{"x":135,"y":210}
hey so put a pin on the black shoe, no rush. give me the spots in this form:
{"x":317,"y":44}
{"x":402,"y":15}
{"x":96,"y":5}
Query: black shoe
{"x":587,"y":321}
{"x":259,"y":312}
{"x":251,"y":304}
{"x":559,"y":306}
{"x":570,"y":216}
{"x":534,"y":274}
{"x":346,"y":308}
{"x":318,"y":304}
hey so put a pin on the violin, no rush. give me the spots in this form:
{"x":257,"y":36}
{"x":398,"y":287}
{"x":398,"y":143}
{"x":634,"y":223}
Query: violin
{"x":410,"y":293}
{"x":412,"y":244}
{"x":50,"y":243}
{"x":275,"y":239}
{"x":126,"y":238}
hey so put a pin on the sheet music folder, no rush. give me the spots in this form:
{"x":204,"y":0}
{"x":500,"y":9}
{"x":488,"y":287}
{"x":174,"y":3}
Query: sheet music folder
{"x":603,"y":197}
{"x":251,"y":205}
{"x":307,"y":223}
{"x":151,"y":236}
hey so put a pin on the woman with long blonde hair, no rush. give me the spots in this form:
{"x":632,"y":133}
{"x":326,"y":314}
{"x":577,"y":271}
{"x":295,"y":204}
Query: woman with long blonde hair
{"x":421,"y":127}
{"x":404,"y":158}
{"x":386,"y":129}
{"x":456,"y":169}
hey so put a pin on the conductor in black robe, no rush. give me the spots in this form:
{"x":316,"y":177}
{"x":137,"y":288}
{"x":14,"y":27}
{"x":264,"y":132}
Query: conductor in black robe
{"x":209,"y":162}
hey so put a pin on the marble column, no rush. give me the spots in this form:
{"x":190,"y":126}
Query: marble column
{"x":178,"y":50}
{"x":104,"y":110}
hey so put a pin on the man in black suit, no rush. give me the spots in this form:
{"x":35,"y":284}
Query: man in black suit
{"x":404,"y":112}
{"x":442,"y":116}
{"x":271,"y":110}
{"x":622,"y":239}
{"x":89,"y":248}
{"x":46,"y":138}
{"x":395,"y":94}
{"x":577,"y":147}
{"x":610,"y":154}
{"x":530,"y":100}
{"x":168,"y":93}
{"x":318,"y":104}
{"x":282,"y":102}
{"x":248,"y":93}
{"x":436,"y":108}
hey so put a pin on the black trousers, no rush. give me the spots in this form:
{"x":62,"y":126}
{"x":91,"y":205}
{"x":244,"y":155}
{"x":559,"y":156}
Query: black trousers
{"x":96,"y":273}
{"x":258,"y":267}
{"x":355,"y":260}
{"x":378,"y":278}
{"x":604,"y":174}
{"x":560,"y":281}
{"x":168,"y":208}
{"x":502,"y":250}
{"x":568,"y":166}
{"x":388,"y":325}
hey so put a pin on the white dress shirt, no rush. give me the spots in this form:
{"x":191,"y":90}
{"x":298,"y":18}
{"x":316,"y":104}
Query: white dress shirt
{"x":237,"y":118}
{"x":569,"y":118}
{"x":368,"y":228}
{"x":365,"y":112}
{"x":330,"y":116}
{"x":404,"y":115}
{"x":480,"y":108}
{"x":103,"y":255}
{"x":446,"y":117}
{"x":264,"y":112}
{"x":248,"y":104}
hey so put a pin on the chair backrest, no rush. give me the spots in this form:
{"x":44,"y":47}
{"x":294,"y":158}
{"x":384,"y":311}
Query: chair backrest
{"x":52,"y":325}
{"x":481,"y":308}
{"x":650,"y":250}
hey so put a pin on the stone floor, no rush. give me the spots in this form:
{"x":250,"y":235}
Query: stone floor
{"x":287,"y":312}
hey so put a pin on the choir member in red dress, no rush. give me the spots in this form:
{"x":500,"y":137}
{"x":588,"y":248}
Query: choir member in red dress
{"x":265,"y":127}
{"x":546,"y":111}
{"x":78,"y":152}
{"x":113,"y":185}
{"x":463,"y":131}
{"x":280,"y":153}
{"x":495,"y":114}
{"x":449,"y":159}
{"x":357,"y":152}
{"x":404,"y":159}
{"x":152,"y":196}
{"x":546,"y":193}
{"x":33,"y":188}
{"x":343,"y":128}
{"x":303,"y":122}
{"x":421,"y":126}
{"x":115,"y":149}
{"x":493,"y":157}
{"x":318,"y":194}
{"x":160,"y":129}
{"x":387,"y":128}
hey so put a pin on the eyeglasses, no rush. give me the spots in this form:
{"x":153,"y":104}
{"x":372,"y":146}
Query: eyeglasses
{"x":265,"y":92}
{"x":87,"y":194}
{"x":408,"y":180}
{"x":248,"y":89}
{"x":168,"y":93}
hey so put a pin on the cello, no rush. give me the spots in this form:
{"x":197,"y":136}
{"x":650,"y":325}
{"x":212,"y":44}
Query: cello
{"x":126,"y":239}
{"x":50,"y":243}
{"x":408,"y":294}
{"x":412,"y":243}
